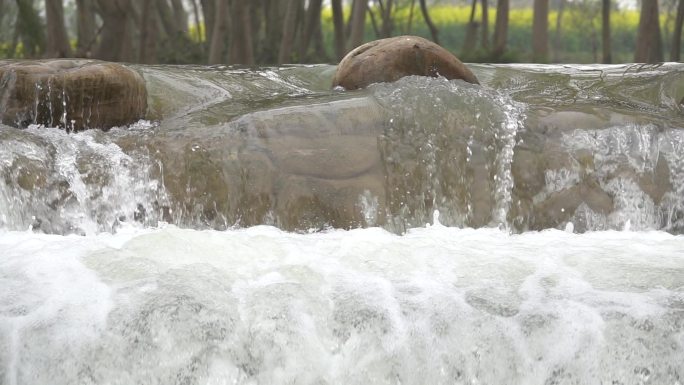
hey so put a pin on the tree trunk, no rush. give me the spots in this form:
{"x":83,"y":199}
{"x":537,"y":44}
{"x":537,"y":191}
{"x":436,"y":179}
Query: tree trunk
{"x":557,"y":43}
{"x":115,"y":43}
{"x":3,"y":11}
{"x":15,"y":41}
{"x":605,"y":32}
{"x":485,"y":24}
{"x":218,"y":34}
{"x":57,"y":39}
{"x":313,"y":15}
{"x":31,"y":28}
{"x":677,"y":34}
{"x":471,"y":32}
{"x":540,"y":32}
{"x":387,"y":25}
{"x":374,"y":23}
{"x":433,"y":30}
{"x":208,"y":11}
{"x":198,"y":27}
{"x":247,"y":27}
{"x":196,"y":19}
{"x":338,"y":22}
{"x":274,"y":14}
{"x":171,"y":27}
{"x":409,"y":27}
{"x":289,"y":26}
{"x":501,"y":28}
{"x":180,"y":15}
{"x":358,"y":23}
{"x":148,"y":33}
{"x":241,"y":48}
{"x":319,"y":44}
{"x":85,"y":28}
{"x":649,"y":46}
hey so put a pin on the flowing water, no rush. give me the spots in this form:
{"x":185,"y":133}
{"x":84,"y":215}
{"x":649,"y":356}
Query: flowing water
{"x":260,"y":228}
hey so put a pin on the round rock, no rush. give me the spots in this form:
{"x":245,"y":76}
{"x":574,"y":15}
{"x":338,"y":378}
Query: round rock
{"x":72,"y":94}
{"x":391,"y":59}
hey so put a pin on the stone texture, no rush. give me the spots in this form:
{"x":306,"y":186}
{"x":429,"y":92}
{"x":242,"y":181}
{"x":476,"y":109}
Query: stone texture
{"x":391,"y":59}
{"x":72,"y":94}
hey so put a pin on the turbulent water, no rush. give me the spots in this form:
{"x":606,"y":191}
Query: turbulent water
{"x":535,"y":147}
{"x":260,"y":228}
{"x":259,"y":306}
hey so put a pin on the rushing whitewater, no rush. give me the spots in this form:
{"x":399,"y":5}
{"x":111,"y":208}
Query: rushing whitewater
{"x":260,"y":228}
{"x":259,"y":306}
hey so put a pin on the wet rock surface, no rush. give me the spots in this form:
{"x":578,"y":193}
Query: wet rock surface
{"x":389,"y":156}
{"x":71,"y":94}
{"x":388,"y":60}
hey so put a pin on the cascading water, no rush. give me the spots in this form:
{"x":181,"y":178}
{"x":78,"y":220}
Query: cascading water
{"x":82,"y":183}
{"x":367,"y":270}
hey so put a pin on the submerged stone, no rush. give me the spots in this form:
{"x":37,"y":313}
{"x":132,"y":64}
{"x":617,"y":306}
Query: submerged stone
{"x":388,"y":60}
{"x":72,"y":94}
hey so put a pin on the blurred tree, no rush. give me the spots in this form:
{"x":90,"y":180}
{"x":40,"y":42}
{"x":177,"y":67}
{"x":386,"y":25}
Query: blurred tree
{"x":217,"y":41}
{"x":168,"y":20}
{"x":338,"y":24}
{"x":312,"y":22}
{"x":433,"y":29}
{"x":605,"y":31}
{"x":409,"y":24}
{"x":471,"y":31}
{"x":557,"y":42}
{"x":241,"y":47}
{"x":357,"y":23}
{"x":500,"y":28}
{"x":116,"y":41}
{"x":289,"y":30}
{"x":273,"y":15}
{"x":198,"y":24}
{"x":585,"y":17}
{"x":85,"y":28}
{"x":540,"y":31}
{"x":208,"y":12}
{"x":30,"y":28}
{"x":148,"y":33}
{"x":677,"y":34}
{"x":2,"y":10}
{"x":279,"y":31}
{"x":180,"y":16}
{"x":485,"y":24}
{"x":387,"y":22}
{"x":649,"y":45}
{"x":57,"y":44}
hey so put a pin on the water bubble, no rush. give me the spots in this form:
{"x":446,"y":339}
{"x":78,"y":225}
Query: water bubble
{"x":435,"y":219}
{"x":569,"y":227}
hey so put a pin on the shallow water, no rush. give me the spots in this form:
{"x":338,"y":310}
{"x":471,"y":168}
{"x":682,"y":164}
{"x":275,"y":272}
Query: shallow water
{"x":260,"y":228}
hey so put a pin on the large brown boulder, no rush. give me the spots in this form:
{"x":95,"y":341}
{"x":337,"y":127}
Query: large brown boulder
{"x":73,"y":94}
{"x":388,"y":60}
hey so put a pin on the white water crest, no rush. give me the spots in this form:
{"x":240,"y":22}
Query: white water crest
{"x":437,"y":305}
{"x":81,"y":183}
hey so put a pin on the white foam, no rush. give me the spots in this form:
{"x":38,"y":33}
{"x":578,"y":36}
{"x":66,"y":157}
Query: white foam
{"x":259,"y":305}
